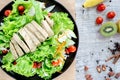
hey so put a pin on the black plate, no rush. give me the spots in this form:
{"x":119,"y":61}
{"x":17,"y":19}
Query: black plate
{"x":69,"y":60}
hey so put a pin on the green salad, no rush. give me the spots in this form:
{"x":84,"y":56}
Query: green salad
{"x":49,"y":57}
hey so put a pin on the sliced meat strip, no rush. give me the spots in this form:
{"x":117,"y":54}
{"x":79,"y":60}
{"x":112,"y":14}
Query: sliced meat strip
{"x":27,"y":39}
{"x":32,"y":36}
{"x":17,"y":48}
{"x":50,"y":22}
{"x":40,"y":29}
{"x":35,"y":32}
{"x":14,"y":53}
{"x":21,"y":43}
{"x":46,"y":26}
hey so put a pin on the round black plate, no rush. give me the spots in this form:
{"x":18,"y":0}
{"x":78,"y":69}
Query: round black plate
{"x":69,"y":60}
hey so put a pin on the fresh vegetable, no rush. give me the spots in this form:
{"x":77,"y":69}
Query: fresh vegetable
{"x":101,"y":7}
{"x":7,"y":12}
{"x":4,"y":51}
{"x":56,"y":63}
{"x":99,"y":20}
{"x":91,"y":3}
{"x":71,"y":49}
{"x":21,"y":8}
{"x":111,"y":15}
{"x":108,"y":29}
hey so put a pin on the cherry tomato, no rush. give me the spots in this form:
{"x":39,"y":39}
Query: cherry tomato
{"x":101,"y":7}
{"x":4,"y":51}
{"x":71,"y":48}
{"x":56,"y":63}
{"x":7,"y":12}
{"x":35,"y":65}
{"x":21,"y":8}
{"x":14,"y":63}
{"x":39,"y":65}
{"x":49,"y":14}
{"x":111,"y":14}
{"x":99,"y":20}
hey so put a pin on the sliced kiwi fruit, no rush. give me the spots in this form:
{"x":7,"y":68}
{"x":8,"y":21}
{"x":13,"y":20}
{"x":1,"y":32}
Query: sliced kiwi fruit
{"x":108,"y":29}
{"x":118,"y":25}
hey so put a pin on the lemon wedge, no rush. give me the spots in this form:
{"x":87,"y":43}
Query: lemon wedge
{"x":91,"y":3}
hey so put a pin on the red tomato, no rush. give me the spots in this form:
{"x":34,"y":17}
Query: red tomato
{"x":99,"y":20}
{"x":35,"y":65}
{"x":14,"y":63}
{"x":71,"y":48}
{"x":7,"y":12}
{"x":101,"y":7}
{"x":49,"y":14}
{"x":39,"y":65}
{"x":111,"y":14}
{"x":56,"y":63}
{"x":21,"y":8}
{"x":4,"y":51}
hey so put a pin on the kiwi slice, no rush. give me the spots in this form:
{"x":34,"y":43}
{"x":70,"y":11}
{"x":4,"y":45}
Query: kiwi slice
{"x":108,"y":29}
{"x":118,"y":25}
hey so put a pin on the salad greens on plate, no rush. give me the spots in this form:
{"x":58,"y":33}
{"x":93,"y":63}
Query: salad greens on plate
{"x":50,"y":56}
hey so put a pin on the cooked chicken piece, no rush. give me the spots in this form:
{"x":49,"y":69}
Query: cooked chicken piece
{"x":50,"y":22}
{"x":21,"y":43}
{"x":27,"y":39}
{"x":32,"y":36}
{"x":46,"y":26}
{"x":35,"y":32}
{"x":17,"y":48}
{"x":40,"y":29}
{"x":13,"y":51}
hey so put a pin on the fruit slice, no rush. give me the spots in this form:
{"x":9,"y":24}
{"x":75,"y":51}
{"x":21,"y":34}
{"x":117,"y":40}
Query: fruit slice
{"x":108,"y":29}
{"x":118,"y":25}
{"x":91,"y":3}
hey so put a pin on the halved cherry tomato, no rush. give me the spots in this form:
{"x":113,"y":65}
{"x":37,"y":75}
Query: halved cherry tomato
{"x":49,"y":14}
{"x":7,"y":12}
{"x":14,"y":63}
{"x":56,"y":63}
{"x":35,"y":65}
{"x":21,"y":8}
{"x":71,"y":48}
{"x":99,"y":20}
{"x":4,"y":51}
{"x":111,"y":14}
{"x":101,"y":7}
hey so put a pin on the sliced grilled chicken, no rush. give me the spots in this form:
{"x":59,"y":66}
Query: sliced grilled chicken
{"x":32,"y":36}
{"x":50,"y":22}
{"x":46,"y":26}
{"x":12,"y":49}
{"x":27,"y":39}
{"x":40,"y":29}
{"x":35,"y":32}
{"x":17,"y":48}
{"x":21,"y":43}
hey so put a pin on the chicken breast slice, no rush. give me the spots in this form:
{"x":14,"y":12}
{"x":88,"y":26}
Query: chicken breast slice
{"x":40,"y":29}
{"x":27,"y":39}
{"x":14,"y":53}
{"x":17,"y":48}
{"x":35,"y":32}
{"x":46,"y":26}
{"x":50,"y":22}
{"x":32,"y":36}
{"x":21,"y":43}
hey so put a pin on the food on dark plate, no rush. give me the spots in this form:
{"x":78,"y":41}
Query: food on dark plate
{"x":37,"y":40}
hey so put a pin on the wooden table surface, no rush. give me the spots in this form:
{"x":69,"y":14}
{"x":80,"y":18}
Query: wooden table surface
{"x":69,"y":74}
